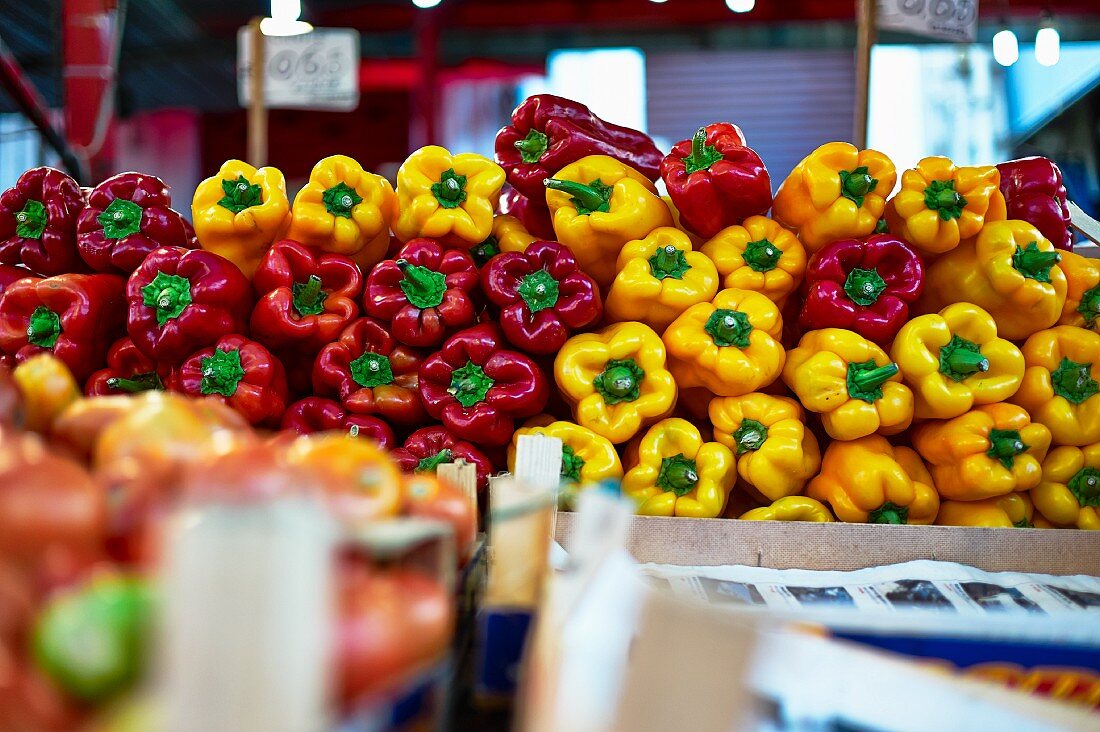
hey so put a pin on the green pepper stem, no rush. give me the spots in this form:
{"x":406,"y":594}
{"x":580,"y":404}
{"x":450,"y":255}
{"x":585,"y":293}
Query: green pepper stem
{"x":424,"y":287}
{"x":889,"y":513}
{"x":677,"y":474}
{"x":964,"y":361}
{"x":702,"y":155}
{"x":1034,"y":263}
{"x":308,"y":297}
{"x":864,"y":286}
{"x":588,"y":196}
{"x":762,"y":255}
{"x":532,"y":147}
{"x":1089,"y":306}
{"x":137,"y":383}
{"x":43,"y":327}
{"x":871,"y":379}
{"x":1005,"y":445}
{"x":856,"y":184}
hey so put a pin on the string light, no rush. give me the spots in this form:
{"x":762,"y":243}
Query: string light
{"x":1006,"y":49}
{"x":1048,"y":44}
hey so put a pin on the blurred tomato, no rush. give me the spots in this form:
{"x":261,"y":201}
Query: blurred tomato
{"x":361,"y":481}
{"x":425,"y":496}
{"x":47,"y":387}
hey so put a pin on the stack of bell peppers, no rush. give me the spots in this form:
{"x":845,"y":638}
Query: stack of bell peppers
{"x":841,"y":350}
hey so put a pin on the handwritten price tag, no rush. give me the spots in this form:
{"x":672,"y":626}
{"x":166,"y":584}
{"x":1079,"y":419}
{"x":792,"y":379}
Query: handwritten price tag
{"x":951,"y":20}
{"x":318,"y":70}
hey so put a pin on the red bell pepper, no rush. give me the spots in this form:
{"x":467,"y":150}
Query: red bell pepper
{"x":543,"y":297}
{"x":306,"y":298}
{"x":715,"y":181}
{"x":370,"y":373}
{"x":38,"y":222}
{"x":181,"y":300}
{"x":315,"y":414}
{"x":239,"y":372}
{"x":425,"y":294}
{"x":1034,"y":193}
{"x":548,"y":132}
{"x":129,"y":215}
{"x":10,"y":274}
{"x":533,"y":213}
{"x":478,"y":389}
{"x":863,"y":286}
{"x":76,"y":316}
{"x":427,"y":448}
{"x":128,"y":371}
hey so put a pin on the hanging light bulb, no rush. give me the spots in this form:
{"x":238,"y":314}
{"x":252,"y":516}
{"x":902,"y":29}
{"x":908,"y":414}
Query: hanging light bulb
{"x":1048,"y":44}
{"x":658,"y":1}
{"x":741,"y":6}
{"x":284,"y":19}
{"x":1006,"y":49}
{"x":425,"y":4}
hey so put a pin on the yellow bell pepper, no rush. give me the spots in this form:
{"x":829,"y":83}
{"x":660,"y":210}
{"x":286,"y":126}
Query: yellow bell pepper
{"x":851,"y":382}
{"x":1007,"y":511}
{"x":1059,"y":388}
{"x":953,"y":360}
{"x":1010,"y":271}
{"x":597,"y":205}
{"x":1082,"y":306}
{"x":677,"y":474}
{"x":791,"y":508}
{"x":239,"y":211}
{"x":870,"y":481}
{"x":758,"y":255}
{"x":989,"y":451}
{"x":836,"y":192}
{"x":1069,"y":494}
{"x":47,"y":387}
{"x":939,"y":204}
{"x":344,"y":209}
{"x":509,"y":234}
{"x":730,"y":345}
{"x":776,"y":454}
{"x":586,"y":457}
{"x":447,"y":197}
{"x":659,"y":277}
{"x":616,"y":380}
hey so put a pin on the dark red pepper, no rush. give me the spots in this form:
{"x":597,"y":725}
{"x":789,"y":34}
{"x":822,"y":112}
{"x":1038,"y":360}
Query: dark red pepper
{"x":241,"y":373}
{"x":10,"y":274}
{"x":306,"y":298}
{"x":128,"y":371}
{"x":370,"y":373}
{"x":182,"y":300}
{"x":1034,"y":193}
{"x":533,"y":213}
{"x":38,"y":218}
{"x":315,"y":414}
{"x":548,"y":132}
{"x":129,"y":215}
{"x":427,"y":448}
{"x":715,"y":181}
{"x":543,"y":297}
{"x":863,"y":286}
{"x":425,"y":294}
{"x":74,"y":316}
{"x":477,"y":389}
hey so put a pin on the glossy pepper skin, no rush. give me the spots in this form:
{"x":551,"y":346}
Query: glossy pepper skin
{"x":127,"y":217}
{"x":862,"y":286}
{"x":616,"y":380}
{"x":425,"y":294}
{"x":791,"y":508}
{"x":305,"y":297}
{"x":1010,"y":271}
{"x":953,"y":360}
{"x":316,"y":414}
{"x":989,"y":451}
{"x":427,"y":448}
{"x":1059,"y":388}
{"x":548,"y":133}
{"x":38,"y":218}
{"x":128,"y":371}
{"x":531,"y":212}
{"x":758,"y":255}
{"x":836,"y":192}
{"x":74,"y":316}
{"x":870,"y":481}
{"x":940,"y":204}
{"x":1082,"y":306}
{"x":676,"y":473}
{"x":1069,"y":494}
{"x":344,"y":209}
{"x":776,"y":453}
{"x":1006,"y":512}
{"x":542,"y":295}
{"x":477,"y":388}
{"x":715,"y":180}
{"x":597,"y":205}
{"x":370,"y":373}
{"x":851,"y":382}
{"x":587,"y":458}
{"x":730,"y":345}
{"x":1034,"y":192}
{"x":447,"y":197}
{"x":241,"y":373}
{"x":659,"y":277}
{"x":239,"y":211}
{"x":180,"y":301}
{"x":509,"y":235}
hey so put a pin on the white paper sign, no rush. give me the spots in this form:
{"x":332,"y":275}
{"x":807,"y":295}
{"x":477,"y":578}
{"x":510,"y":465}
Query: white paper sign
{"x":950,"y":20}
{"x":317,"y":70}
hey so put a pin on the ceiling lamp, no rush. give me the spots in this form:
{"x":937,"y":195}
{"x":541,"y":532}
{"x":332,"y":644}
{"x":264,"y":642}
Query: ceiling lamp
{"x":1048,"y":44}
{"x":284,"y":19}
{"x":741,"y":6}
{"x":425,"y":4}
{"x":1006,"y":49}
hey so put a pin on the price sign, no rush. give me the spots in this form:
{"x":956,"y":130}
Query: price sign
{"x":950,"y":20}
{"x":317,"y":70}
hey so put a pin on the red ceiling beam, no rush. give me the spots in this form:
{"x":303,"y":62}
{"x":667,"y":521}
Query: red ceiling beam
{"x":90,"y":33}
